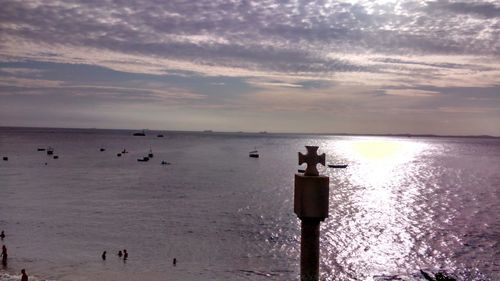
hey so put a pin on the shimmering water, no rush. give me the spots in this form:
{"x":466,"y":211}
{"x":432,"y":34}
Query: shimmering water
{"x":402,"y":205}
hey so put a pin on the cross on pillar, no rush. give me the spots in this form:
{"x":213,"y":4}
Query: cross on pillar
{"x":311,"y":194}
{"x":311,"y":159}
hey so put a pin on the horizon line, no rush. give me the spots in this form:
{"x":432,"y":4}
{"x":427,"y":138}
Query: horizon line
{"x":263,"y":132}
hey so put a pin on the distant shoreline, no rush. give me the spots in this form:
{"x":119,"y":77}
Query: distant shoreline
{"x":407,"y":135}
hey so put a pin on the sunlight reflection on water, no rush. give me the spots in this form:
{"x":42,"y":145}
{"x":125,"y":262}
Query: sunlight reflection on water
{"x":372,"y":219}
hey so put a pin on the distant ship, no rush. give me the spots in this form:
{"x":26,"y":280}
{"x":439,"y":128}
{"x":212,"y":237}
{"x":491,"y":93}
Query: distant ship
{"x":139,"y":134}
{"x":337,"y":166}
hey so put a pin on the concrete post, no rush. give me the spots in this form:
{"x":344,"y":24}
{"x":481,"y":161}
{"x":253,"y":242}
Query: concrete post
{"x":311,"y":206}
{"x":309,"y":250}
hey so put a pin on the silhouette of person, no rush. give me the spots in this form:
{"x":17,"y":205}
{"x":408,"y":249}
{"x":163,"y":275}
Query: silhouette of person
{"x":103,"y":256}
{"x":174,"y":262}
{"x":120,"y":254}
{"x":4,"y":255}
{"x":2,"y":235}
{"x":24,"y":276}
{"x":125,"y":255}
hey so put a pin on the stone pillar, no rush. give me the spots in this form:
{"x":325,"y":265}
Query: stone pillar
{"x":311,"y":206}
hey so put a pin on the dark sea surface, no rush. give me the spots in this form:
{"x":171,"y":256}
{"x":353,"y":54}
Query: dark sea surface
{"x":402,"y":205}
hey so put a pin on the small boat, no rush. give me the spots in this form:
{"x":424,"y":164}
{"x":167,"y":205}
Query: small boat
{"x":165,"y":163}
{"x":337,"y":166}
{"x":253,"y":154}
{"x":41,"y":149}
{"x":102,"y":149}
{"x":144,"y":159}
{"x":150,"y":154}
{"x":139,"y":134}
{"x":5,"y":158}
{"x":50,"y":151}
{"x":160,"y":136}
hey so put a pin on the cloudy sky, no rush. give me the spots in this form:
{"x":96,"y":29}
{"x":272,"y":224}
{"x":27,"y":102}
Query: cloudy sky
{"x":360,"y":66}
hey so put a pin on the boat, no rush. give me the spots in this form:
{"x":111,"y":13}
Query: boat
{"x":41,"y":149}
{"x":5,"y":158}
{"x":144,"y":159}
{"x":160,"y":136}
{"x":342,"y":166}
{"x":50,"y":151}
{"x":165,"y":163}
{"x":150,"y":154}
{"x":139,"y":134}
{"x":253,"y":154}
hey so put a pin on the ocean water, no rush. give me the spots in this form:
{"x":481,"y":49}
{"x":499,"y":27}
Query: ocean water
{"x":402,"y":205}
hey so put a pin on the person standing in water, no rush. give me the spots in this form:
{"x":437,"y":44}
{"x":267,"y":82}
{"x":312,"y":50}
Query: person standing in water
{"x":125,"y":255}
{"x":103,"y":256}
{"x":2,"y":235}
{"x":24,"y":276}
{"x":4,"y":255}
{"x":120,"y":254}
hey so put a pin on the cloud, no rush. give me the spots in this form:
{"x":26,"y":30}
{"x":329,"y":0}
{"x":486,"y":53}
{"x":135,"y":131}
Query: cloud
{"x":410,"y":93}
{"x":424,"y":64}
{"x":283,"y":37}
{"x":372,"y":57}
{"x":20,"y":71}
{"x":481,"y":9}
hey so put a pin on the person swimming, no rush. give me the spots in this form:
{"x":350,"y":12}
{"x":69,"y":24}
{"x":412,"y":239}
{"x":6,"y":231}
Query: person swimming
{"x":4,"y":255}
{"x":24,"y":276}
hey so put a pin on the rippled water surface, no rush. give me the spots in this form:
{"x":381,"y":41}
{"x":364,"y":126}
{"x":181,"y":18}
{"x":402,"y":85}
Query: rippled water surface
{"x":402,"y":205}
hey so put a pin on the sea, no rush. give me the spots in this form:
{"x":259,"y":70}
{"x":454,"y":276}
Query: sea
{"x":403,"y":206}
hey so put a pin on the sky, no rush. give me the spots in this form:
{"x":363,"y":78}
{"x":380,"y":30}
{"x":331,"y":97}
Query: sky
{"x":387,"y":66}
